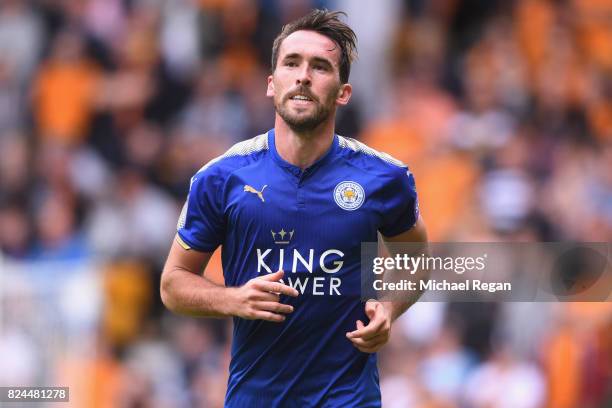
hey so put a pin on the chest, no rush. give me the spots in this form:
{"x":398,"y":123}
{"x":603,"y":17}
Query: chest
{"x":318,"y":211}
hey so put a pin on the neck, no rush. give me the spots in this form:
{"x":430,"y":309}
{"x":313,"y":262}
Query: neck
{"x":302,"y":149}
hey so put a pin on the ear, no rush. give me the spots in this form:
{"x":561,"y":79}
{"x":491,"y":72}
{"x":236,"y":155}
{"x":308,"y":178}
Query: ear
{"x":344,"y":94}
{"x":270,"y":90}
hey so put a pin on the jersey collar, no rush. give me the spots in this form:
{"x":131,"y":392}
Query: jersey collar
{"x":295,"y":170}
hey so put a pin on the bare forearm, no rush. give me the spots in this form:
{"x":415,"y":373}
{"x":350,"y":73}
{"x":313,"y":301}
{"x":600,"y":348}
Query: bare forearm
{"x":184,"y":290}
{"x":414,"y":242}
{"x":396,"y":309}
{"x":186,"y":293}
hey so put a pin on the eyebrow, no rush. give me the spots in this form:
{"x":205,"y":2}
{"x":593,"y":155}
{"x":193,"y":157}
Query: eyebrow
{"x":320,"y":60}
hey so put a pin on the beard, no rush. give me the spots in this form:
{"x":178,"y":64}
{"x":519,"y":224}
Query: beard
{"x":306,"y":121}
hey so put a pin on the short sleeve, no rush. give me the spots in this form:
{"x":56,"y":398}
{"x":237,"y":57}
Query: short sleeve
{"x":201,"y":224}
{"x":400,"y":204}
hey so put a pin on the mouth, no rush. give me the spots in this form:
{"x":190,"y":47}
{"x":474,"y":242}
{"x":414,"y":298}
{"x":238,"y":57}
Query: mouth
{"x":301,"y":98}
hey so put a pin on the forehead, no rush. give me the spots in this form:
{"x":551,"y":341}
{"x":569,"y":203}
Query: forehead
{"x":310,"y":44}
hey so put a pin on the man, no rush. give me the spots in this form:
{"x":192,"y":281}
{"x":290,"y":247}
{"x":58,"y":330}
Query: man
{"x":291,"y":208}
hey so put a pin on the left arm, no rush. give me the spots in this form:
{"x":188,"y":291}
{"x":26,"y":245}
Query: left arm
{"x":417,"y":233}
{"x":371,"y":337}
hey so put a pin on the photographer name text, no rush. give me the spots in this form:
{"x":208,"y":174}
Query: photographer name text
{"x":443,"y":285}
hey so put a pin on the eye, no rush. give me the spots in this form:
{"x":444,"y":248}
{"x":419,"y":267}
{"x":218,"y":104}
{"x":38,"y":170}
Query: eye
{"x":321,"y":67}
{"x":290,"y":64}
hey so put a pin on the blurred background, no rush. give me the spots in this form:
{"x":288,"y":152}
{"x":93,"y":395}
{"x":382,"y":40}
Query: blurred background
{"x":502,"y":110}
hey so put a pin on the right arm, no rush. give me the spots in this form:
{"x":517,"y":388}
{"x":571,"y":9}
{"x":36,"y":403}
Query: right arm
{"x":185,"y":290}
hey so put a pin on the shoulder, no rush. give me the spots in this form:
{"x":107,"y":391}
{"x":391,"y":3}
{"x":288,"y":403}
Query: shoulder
{"x":363,"y":156}
{"x":239,"y":155}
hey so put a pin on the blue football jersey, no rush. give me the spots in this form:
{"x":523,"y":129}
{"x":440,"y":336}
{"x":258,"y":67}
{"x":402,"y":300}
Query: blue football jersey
{"x":268,"y":215}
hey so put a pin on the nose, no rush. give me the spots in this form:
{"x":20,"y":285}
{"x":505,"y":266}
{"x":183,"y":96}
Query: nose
{"x":304,"y":78}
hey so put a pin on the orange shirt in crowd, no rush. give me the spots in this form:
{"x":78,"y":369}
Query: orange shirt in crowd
{"x":562,"y":364}
{"x":94,"y":381}
{"x":63,"y":100}
{"x":445,"y":185}
{"x":534,"y":21}
{"x":127,"y":294}
{"x":444,"y":180}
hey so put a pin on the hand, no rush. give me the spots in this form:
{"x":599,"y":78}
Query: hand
{"x":259,"y":298}
{"x":370,"y":338}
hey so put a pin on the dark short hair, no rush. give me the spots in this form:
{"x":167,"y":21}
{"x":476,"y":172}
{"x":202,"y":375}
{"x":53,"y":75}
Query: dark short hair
{"x":327,"y":23}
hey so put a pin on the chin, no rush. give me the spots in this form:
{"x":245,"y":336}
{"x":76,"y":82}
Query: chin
{"x":303,"y":124}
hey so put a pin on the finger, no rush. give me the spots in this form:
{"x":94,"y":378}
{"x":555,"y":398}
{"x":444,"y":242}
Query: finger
{"x":371,"y":330}
{"x":359,"y":325}
{"x":369,"y":343}
{"x":371,"y":308}
{"x":371,"y":347}
{"x":266,"y":296}
{"x":276,"y":287}
{"x":272,"y":277}
{"x":274,"y":307}
{"x":363,"y":341}
{"x":369,"y":334}
{"x":269,"y":316}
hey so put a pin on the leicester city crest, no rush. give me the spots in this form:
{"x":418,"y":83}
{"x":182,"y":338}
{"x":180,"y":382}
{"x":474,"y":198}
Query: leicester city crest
{"x":349,"y":195}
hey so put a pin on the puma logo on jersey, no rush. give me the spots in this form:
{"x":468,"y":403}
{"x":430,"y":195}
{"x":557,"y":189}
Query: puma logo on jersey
{"x":249,"y":189}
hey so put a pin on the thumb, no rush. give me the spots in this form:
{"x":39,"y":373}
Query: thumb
{"x":273,"y":277}
{"x":370,"y":309}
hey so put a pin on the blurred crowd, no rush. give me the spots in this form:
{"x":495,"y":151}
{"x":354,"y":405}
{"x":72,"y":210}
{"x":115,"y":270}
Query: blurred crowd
{"x":502,"y":110}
